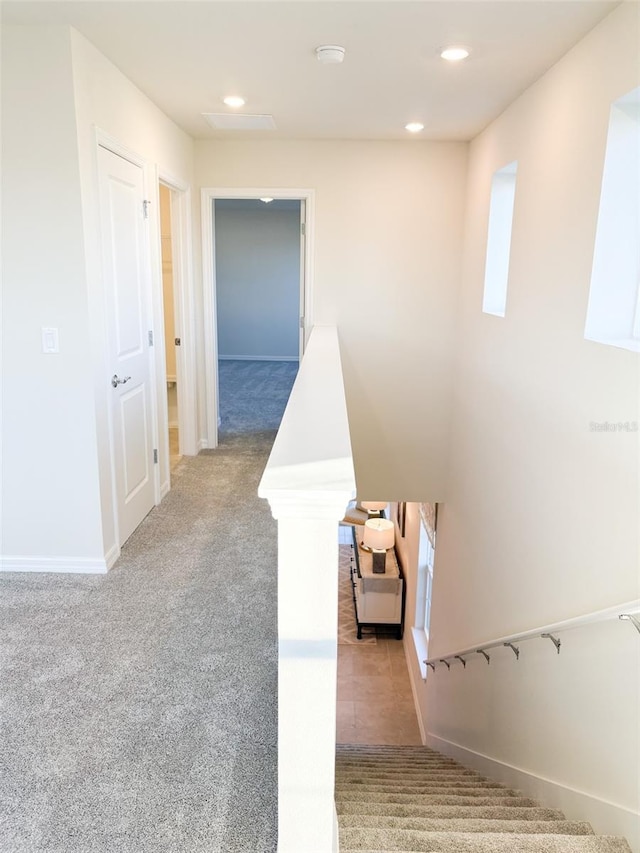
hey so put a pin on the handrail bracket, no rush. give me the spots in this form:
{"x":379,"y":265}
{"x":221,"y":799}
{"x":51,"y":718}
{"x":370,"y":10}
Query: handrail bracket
{"x":627,"y":617}
{"x":462,"y":660}
{"x":514,"y":649}
{"x":486,"y":656}
{"x":445,"y":662}
{"x":556,"y":642}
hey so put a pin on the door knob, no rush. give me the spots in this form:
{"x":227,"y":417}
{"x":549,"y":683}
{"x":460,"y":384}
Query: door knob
{"x":115,"y":381}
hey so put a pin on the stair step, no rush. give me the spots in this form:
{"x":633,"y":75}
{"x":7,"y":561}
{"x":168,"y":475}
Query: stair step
{"x":427,"y":760}
{"x":404,"y":773}
{"x":421,"y":788}
{"x":426,"y":776}
{"x":353,"y":777}
{"x":410,"y":841}
{"x":457,"y":799}
{"x":371,"y":768}
{"x":409,"y":810}
{"x":405,"y":769}
{"x":544,"y":827}
{"x":391,"y":757}
{"x":387,"y":747}
{"x":377,"y":752}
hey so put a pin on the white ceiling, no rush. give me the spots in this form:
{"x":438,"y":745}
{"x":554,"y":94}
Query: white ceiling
{"x":187,"y":55}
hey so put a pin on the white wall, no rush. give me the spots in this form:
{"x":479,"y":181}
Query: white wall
{"x":387,"y":259}
{"x":50,"y":468}
{"x":57,"y":501}
{"x":541,"y":517}
{"x":257,"y":280}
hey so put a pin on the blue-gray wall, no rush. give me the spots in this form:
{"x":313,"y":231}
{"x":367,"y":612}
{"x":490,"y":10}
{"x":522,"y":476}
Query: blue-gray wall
{"x":257,"y":278}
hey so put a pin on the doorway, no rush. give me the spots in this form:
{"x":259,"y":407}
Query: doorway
{"x":245,"y":300}
{"x":176,"y":357}
{"x":258,"y":300}
{"x":171,"y":339}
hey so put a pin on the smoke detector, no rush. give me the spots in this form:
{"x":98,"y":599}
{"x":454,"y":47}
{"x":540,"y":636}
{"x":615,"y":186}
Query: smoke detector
{"x":330,"y":54}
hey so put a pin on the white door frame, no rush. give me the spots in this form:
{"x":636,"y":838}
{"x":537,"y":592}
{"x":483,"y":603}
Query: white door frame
{"x":184,"y":319}
{"x":208,"y":195}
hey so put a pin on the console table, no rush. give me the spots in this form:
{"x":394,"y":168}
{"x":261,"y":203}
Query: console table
{"x":378,"y":598}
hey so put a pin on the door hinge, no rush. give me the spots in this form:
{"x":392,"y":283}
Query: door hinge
{"x":302,"y":322}
{"x":155,"y":457}
{"x":303,"y":228}
{"x":150,"y":339}
{"x":177,"y":342}
{"x":145,"y":208}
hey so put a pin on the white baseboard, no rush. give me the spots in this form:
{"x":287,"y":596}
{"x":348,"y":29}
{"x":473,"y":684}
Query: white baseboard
{"x":605,"y":817}
{"x":258,"y":358}
{"x":409,"y":650}
{"x":67,"y":565}
{"x":112,"y":555}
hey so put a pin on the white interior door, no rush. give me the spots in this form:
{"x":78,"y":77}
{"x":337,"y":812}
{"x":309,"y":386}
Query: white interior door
{"x":127,"y":283}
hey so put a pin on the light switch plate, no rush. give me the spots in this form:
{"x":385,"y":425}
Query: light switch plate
{"x":50,"y":340}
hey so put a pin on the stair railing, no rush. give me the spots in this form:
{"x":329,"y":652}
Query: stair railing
{"x":628,"y":612}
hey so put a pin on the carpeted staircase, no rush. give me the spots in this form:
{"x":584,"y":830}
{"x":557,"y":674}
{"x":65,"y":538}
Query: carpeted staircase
{"x":410,"y":798}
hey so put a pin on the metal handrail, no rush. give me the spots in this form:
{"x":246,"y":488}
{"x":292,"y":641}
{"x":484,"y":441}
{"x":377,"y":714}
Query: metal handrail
{"x":627,"y":612}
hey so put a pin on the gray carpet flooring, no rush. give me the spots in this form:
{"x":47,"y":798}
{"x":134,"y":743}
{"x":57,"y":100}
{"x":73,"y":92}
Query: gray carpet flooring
{"x":413,"y":799}
{"x":138,"y":709}
{"x":253,"y":394}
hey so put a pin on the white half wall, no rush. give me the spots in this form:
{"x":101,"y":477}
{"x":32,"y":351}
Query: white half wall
{"x":387,"y":252}
{"x":540,"y":523}
{"x":257,"y":254}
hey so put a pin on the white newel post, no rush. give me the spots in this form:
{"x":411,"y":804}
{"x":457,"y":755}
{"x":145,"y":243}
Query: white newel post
{"x":308,"y":481}
{"x":307,"y":629}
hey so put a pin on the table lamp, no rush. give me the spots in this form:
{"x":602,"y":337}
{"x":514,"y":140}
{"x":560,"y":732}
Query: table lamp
{"x":379,"y":537}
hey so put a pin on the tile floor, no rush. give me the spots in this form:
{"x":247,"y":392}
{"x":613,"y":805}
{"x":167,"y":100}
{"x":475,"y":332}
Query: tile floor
{"x":375,"y":703}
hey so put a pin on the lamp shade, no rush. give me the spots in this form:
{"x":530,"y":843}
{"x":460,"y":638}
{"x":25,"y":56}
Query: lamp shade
{"x":379,"y":534}
{"x":374,"y":506}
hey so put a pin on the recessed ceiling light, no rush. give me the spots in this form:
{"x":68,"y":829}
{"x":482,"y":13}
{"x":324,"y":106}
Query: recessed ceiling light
{"x":414,"y":127}
{"x":234,"y":101}
{"x":454,"y":53}
{"x":266,"y":200}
